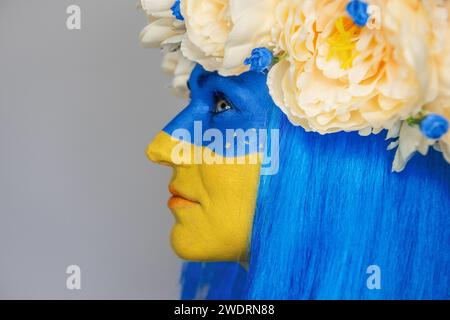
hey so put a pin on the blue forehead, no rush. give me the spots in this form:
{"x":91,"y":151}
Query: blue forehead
{"x":248,"y":94}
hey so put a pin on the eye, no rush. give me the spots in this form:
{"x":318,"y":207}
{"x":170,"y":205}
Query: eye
{"x":221,"y":104}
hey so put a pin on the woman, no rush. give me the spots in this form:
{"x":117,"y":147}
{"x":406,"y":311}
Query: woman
{"x":328,"y":220}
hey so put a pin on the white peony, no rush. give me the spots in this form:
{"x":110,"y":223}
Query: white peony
{"x":176,"y":65}
{"x":220,"y":34}
{"x":164,"y":29}
{"x":410,"y":139}
{"x":166,"y":32}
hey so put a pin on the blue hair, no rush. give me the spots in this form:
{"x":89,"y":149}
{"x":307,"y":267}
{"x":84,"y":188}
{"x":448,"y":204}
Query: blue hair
{"x":339,"y":209}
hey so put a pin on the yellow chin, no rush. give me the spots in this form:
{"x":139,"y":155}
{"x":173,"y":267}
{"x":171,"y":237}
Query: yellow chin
{"x":213,"y":203}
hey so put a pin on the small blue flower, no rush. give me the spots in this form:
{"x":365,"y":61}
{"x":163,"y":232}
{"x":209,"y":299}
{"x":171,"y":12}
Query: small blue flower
{"x":434,"y":126}
{"x":357,"y":9}
{"x":176,"y":11}
{"x":260,"y":60}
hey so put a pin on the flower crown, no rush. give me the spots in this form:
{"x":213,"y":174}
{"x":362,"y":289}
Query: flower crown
{"x":332,"y":66}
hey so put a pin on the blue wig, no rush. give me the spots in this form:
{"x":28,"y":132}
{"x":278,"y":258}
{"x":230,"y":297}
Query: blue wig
{"x":338,"y":210}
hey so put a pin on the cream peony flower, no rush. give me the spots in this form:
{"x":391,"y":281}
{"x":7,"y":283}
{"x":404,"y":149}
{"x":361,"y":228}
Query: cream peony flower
{"x":176,"y":65}
{"x":411,"y":139}
{"x":222,"y":33}
{"x":164,"y":29}
{"x":341,"y":77}
{"x":167,"y":32}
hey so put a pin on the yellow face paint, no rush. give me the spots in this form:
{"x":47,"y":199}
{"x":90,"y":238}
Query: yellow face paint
{"x":213,"y":204}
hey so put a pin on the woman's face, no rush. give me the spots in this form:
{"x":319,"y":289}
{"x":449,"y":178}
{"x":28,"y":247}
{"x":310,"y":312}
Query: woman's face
{"x":216,"y":164}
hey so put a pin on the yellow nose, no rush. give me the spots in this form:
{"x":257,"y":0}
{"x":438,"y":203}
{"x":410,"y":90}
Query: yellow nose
{"x":159,"y":150}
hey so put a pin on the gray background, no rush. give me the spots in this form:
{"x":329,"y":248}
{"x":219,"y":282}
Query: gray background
{"x":77,"y":110}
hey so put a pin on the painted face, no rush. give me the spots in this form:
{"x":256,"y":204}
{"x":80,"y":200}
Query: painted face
{"x":216,"y":161}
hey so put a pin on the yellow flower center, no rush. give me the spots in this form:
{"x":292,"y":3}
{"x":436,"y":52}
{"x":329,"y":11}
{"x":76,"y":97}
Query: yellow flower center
{"x":342,"y":42}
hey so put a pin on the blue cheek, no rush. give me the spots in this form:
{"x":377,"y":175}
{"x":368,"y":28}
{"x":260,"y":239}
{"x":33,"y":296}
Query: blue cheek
{"x":250,"y":113}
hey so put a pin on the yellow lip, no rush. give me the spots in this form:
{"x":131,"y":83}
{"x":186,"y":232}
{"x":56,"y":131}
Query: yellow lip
{"x":178,"y":200}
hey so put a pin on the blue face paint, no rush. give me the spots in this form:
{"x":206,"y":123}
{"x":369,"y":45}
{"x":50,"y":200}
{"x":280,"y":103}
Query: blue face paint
{"x":214,"y":185}
{"x":224,"y":104}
